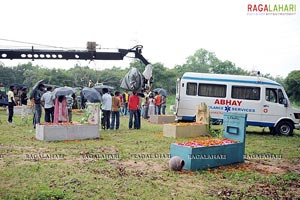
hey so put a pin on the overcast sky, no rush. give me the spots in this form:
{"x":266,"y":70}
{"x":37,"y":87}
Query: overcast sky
{"x":169,"y":30}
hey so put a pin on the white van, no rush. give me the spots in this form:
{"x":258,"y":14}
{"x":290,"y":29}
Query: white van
{"x":264,"y":100}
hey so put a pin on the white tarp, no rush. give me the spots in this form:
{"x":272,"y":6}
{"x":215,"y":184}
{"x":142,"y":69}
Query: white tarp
{"x":148,"y":72}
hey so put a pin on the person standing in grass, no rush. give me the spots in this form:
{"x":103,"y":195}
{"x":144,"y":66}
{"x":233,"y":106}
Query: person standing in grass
{"x":122,"y":103}
{"x":115,"y":114}
{"x":37,"y":104}
{"x":60,"y":110}
{"x":146,"y":108}
{"x":163,"y":104}
{"x":48,"y":104}
{"x":151,"y":110}
{"x":125,"y":100}
{"x":24,"y":99}
{"x":11,"y":103}
{"x":106,"y":108}
{"x":70,"y":102}
{"x":157,"y":103}
{"x":133,"y":105}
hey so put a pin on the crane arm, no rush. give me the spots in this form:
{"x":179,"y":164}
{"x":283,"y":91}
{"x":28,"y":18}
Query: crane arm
{"x":134,"y":80}
{"x":43,"y":54}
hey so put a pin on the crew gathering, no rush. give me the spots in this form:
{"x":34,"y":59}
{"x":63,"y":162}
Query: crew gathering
{"x":58,"y":105}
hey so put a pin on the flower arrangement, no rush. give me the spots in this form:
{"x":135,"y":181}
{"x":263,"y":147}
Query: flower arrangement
{"x":207,"y":142}
{"x":186,"y":123}
{"x":58,"y":124}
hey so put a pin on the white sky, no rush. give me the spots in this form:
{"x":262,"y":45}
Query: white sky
{"x":169,"y":30}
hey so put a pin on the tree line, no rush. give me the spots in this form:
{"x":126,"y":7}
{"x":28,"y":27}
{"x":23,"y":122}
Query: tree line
{"x":79,"y":76}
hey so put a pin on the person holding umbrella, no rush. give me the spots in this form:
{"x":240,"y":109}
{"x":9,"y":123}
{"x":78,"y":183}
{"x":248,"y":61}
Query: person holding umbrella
{"x":60,"y":110}
{"x":37,"y":94}
{"x":60,"y":107}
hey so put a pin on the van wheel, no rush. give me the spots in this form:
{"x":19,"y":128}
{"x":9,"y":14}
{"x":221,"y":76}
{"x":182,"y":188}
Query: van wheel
{"x":284,"y":128}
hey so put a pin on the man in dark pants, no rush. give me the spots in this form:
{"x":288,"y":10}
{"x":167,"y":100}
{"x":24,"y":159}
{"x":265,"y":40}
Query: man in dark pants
{"x":48,"y":103}
{"x":106,"y":108}
{"x":133,"y":105}
{"x":37,"y":105}
{"x":11,"y":103}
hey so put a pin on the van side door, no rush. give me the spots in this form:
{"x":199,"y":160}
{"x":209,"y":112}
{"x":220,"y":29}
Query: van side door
{"x":273,"y":106}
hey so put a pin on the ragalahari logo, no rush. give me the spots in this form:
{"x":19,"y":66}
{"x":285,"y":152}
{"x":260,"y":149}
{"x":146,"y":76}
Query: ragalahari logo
{"x":271,"y":8}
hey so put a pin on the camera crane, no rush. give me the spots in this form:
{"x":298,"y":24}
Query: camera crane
{"x":89,"y":54}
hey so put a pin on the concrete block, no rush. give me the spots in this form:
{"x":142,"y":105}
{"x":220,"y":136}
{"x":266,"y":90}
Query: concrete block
{"x":58,"y":132}
{"x":234,"y":128}
{"x":184,"y":130}
{"x":162,"y":119}
{"x":202,"y":113}
{"x":18,"y":110}
{"x":208,"y":157}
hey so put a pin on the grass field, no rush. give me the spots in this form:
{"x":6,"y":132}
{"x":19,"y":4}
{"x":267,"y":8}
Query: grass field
{"x":32,"y":169}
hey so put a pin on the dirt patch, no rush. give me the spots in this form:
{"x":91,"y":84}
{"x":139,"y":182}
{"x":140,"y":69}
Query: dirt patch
{"x":261,"y":166}
{"x":274,"y":188}
{"x":274,"y":166}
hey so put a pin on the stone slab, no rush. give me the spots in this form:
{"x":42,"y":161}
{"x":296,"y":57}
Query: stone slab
{"x":66,"y":132}
{"x":184,"y":130}
{"x":162,"y":119}
{"x":18,"y":110}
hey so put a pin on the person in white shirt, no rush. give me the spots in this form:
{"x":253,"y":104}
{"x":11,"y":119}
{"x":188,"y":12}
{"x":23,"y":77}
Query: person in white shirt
{"x":48,"y":103}
{"x":106,"y":108}
{"x":11,"y":103}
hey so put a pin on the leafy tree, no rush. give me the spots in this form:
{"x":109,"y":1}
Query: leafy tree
{"x":227,"y":67}
{"x":202,"y":61}
{"x":292,"y":82}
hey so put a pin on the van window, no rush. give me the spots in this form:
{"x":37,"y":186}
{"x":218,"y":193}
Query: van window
{"x":271,"y":95}
{"x":212,"y":90}
{"x":243,"y":92}
{"x":280,"y":96}
{"x":191,"y":89}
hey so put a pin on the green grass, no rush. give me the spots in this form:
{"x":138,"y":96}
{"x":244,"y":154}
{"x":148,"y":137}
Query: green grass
{"x":74,"y":177}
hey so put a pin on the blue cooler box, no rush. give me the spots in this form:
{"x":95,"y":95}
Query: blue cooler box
{"x":234,"y":127}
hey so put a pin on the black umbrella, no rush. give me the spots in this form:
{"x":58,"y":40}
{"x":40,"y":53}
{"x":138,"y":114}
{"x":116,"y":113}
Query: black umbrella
{"x":63,"y":91}
{"x":100,"y":88}
{"x":35,"y":87}
{"x":161,"y":91}
{"x":91,"y":94}
{"x":37,"y":84}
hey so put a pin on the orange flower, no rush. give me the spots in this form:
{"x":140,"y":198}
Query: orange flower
{"x":207,"y":142}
